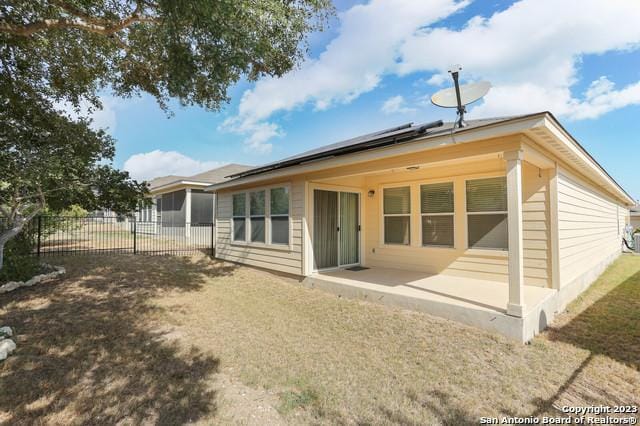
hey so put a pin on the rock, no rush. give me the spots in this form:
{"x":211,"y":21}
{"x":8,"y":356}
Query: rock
{"x":6,"y":347}
{"x":10,"y":286}
{"x":6,"y":331}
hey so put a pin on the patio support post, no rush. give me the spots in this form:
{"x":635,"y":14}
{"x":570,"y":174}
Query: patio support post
{"x":154,"y":214}
{"x":187,"y":213}
{"x":515,"y":306}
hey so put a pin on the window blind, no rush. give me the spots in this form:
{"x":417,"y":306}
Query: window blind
{"x":437,"y":230}
{"x":397,"y":200}
{"x":487,"y":195}
{"x":436,"y":198}
{"x":487,"y":213}
{"x":488,"y":231}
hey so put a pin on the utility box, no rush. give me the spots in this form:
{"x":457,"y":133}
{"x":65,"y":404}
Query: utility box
{"x":636,"y":241}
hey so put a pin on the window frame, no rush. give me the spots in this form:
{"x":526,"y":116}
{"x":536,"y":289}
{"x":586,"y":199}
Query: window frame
{"x":234,"y":216}
{"x":452,"y":214}
{"x":258,"y":216}
{"x":287,"y":215}
{"x":267,"y":215}
{"x":385,"y":215}
{"x":492,"y":250}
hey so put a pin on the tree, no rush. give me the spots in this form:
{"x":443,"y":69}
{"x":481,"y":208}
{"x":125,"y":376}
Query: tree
{"x":192,"y":50}
{"x":70,"y":51}
{"x":48,"y":159}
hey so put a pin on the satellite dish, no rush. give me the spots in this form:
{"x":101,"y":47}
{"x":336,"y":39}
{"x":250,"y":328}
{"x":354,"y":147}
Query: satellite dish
{"x":460,"y":96}
{"x":469,"y":93}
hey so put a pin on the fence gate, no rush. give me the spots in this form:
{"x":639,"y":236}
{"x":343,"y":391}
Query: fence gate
{"x":57,"y":235}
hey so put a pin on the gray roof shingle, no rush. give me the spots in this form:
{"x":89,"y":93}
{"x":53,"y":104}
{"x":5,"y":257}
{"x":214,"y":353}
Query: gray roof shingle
{"x":212,"y":176}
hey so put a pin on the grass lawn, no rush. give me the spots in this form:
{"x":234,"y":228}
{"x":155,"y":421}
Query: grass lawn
{"x":169,"y":340}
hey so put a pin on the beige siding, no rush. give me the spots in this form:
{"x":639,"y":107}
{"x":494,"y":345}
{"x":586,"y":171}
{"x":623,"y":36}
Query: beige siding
{"x":589,"y":227}
{"x":536,"y":226}
{"x":483,"y":264}
{"x":283,"y":259}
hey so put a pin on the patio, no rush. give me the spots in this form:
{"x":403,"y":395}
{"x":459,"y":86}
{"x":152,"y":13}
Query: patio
{"x":475,"y":302}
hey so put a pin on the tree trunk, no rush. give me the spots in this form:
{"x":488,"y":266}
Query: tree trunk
{"x":5,"y":237}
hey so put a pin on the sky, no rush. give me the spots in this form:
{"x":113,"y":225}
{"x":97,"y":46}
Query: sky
{"x":378,"y":63}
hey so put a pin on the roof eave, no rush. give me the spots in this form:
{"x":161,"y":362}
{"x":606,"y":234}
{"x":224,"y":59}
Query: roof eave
{"x":515,"y":125}
{"x":565,"y":137}
{"x":465,"y":135}
{"x":170,"y":185}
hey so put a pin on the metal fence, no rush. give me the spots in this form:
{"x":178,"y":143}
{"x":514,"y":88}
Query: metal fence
{"x":54,"y":235}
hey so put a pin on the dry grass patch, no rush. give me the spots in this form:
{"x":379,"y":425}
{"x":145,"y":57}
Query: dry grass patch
{"x":155,"y":334}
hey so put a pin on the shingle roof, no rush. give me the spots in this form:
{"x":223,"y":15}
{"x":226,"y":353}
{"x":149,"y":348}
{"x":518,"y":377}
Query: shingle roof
{"x":163,"y":180}
{"x":403,"y":133}
{"x":212,"y":176}
{"x":219,"y":174}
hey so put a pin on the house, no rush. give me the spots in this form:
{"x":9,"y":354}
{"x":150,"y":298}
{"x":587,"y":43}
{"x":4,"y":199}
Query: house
{"x":180,"y":204}
{"x":498,"y":224}
{"x":635,"y":216}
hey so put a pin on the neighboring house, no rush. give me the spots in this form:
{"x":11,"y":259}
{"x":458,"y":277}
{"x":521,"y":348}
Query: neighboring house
{"x":635,"y":216}
{"x":498,"y":224}
{"x":180,"y":203}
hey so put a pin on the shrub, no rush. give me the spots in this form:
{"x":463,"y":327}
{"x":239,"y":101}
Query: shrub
{"x":19,"y":263}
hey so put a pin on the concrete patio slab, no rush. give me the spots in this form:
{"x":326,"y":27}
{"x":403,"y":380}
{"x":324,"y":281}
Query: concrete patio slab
{"x":475,"y":302}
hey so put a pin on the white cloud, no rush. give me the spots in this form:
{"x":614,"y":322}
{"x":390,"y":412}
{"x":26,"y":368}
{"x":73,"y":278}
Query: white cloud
{"x":396,"y":105}
{"x":601,"y":97}
{"x":353,"y":63}
{"x":149,"y":165}
{"x":438,"y":79}
{"x":531,"y":53}
{"x":257,"y":133}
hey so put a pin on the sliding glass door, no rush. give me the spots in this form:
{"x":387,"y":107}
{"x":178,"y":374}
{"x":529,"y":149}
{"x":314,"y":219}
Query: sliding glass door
{"x":349,"y":229}
{"x":325,"y":229}
{"x":336,"y":230}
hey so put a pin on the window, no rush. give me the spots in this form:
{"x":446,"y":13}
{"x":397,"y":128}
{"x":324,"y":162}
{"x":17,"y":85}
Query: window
{"x":173,"y":208}
{"x":436,"y":209}
{"x":256,"y":207}
{"x":279,"y":215}
{"x":201,"y":207}
{"x":487,"y":213}
{"x":144,"y":213}
{"x":397,"y":215}
{"x":239,"y":217}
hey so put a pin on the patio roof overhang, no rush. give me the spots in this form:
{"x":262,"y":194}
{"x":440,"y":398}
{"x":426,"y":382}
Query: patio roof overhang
{"x":179,"y":184}
{"x":540,"y":134}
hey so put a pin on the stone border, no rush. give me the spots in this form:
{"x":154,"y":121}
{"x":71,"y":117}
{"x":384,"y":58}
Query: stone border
{"x":12,"y":285}
{"x":7,"y":345}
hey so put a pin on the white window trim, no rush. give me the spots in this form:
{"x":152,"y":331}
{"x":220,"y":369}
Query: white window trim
{"x":452,"y":214}
{"x":267,"y":244}
{"x":481,"y":250}
{"x":383,"y":241}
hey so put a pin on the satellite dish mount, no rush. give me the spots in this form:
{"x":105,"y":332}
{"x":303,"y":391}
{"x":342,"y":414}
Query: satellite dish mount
{"x":455,"y":71}
{"x":460,"y":95}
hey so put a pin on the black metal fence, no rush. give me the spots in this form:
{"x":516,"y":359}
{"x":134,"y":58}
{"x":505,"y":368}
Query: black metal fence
{"x":55,"y":235}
